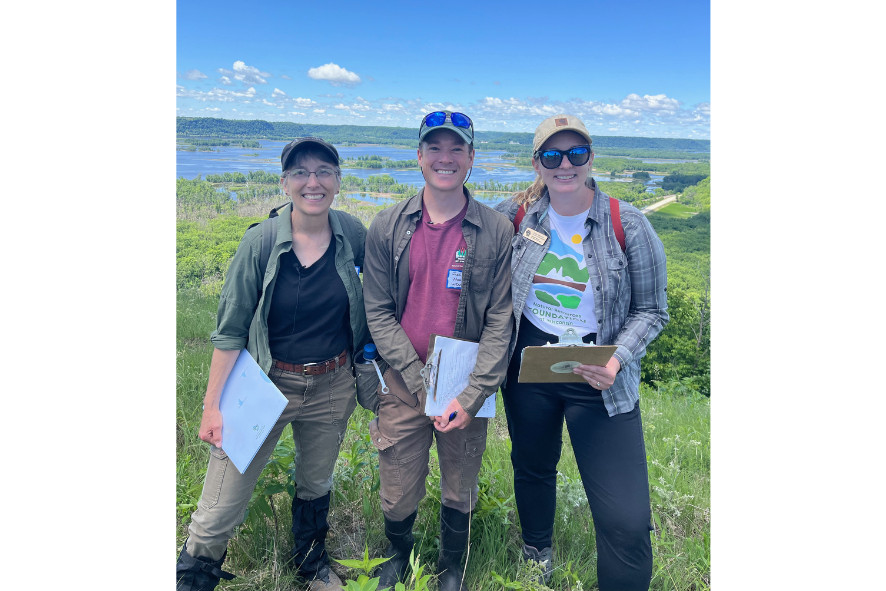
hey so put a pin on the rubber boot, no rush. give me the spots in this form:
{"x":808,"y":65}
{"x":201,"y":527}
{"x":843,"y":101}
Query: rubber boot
{"x":309,"y":528}
{"x":453,"y":542}
{"x":198,"y":573}
{"x":401,"y":541}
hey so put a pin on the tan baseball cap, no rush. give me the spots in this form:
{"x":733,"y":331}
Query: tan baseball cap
{"x":556,"y":124}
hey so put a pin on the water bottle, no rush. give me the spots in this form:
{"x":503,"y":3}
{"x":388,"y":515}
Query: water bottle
{"x":368,"y":356}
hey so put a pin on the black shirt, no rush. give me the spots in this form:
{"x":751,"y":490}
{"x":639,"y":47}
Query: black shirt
{"x":308,"y":319}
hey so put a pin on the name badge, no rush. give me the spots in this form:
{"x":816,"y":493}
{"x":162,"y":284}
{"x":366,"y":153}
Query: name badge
{"x":453,"y":279}
{"x":536,"y":237}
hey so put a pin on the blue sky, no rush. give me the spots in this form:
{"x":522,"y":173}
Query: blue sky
{"x":634,"y":68}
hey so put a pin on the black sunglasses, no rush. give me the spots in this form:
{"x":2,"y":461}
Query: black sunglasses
{"x":578,"y":155}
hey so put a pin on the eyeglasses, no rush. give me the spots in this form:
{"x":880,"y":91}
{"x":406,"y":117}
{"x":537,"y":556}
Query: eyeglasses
{"x":578,"y":155}
{"x":300,"y":174}
{"x":438,"y":118}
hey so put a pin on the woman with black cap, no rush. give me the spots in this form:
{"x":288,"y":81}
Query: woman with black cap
{"x":302,"y":320}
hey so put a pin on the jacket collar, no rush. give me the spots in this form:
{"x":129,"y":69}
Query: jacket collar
{"x":284,"y":225}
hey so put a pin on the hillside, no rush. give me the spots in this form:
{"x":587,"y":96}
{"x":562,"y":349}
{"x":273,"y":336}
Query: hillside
{"x":209,"y":127}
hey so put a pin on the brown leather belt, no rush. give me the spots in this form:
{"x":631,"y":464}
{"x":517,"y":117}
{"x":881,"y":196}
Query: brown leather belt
{"x":314,"y":369}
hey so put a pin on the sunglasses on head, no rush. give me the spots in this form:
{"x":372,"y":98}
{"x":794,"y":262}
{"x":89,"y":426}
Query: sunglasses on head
{"x":438,"y":118}
{"x":578,"y":155}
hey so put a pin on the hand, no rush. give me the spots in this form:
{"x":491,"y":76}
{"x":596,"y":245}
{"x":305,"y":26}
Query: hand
{"x":211,"y":426}
{"x":461,"y":420}
{"x":598,"y":376}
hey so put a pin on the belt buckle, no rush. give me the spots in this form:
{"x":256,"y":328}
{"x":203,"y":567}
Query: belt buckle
{"x":304,"y":368}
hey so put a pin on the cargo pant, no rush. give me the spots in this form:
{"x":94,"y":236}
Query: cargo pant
{"x":403,"y":435}
{"x":318,"y":409}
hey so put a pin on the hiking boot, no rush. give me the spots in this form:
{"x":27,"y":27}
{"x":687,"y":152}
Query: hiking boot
{"x":198,"y":573}
{"x":544,"y":557}
{"x":326,"y":580}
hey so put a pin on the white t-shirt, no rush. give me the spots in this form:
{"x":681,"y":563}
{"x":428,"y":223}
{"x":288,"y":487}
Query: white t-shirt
{"x":560,"y":296}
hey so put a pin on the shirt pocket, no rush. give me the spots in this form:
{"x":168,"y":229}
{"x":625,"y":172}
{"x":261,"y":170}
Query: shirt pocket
{"x":482,"y":273}
{"x":616,"y":274}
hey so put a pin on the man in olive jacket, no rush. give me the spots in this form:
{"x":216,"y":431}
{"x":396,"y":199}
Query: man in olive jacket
{"x":437,"y":263}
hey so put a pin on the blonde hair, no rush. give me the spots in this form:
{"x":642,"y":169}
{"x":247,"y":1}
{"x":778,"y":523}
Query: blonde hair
{"x":531,"y":194}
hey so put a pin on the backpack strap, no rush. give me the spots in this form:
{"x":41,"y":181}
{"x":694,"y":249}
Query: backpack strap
{"x":268,"y":237}
{"x":615,"y":214}
{"x":521,"y":211}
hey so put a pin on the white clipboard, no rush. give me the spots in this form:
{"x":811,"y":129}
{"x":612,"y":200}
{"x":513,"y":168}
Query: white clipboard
{"x":250,"y":405}
{"x":448,"y":371}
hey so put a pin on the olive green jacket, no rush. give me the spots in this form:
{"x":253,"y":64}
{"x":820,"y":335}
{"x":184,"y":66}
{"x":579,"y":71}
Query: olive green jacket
{"x":245,"y":301}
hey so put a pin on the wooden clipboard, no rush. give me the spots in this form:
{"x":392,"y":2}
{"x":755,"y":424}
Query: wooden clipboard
{"x":555,"y":363}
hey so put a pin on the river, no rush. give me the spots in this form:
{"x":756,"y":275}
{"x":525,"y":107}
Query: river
{"x":488,"y":164}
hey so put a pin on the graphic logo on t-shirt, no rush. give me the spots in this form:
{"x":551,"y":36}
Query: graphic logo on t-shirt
{"x":562,"y":276}
{"x":460,"y":256}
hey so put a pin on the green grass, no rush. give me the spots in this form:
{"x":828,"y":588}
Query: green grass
{"x":677,"y":210}
{"x":676,"y":424}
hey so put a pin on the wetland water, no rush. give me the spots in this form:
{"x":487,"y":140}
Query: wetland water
{"x":488,"y":164}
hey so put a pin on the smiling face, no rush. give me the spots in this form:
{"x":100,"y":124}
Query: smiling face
{"x":445,"y":159}
{"x":566,"y":179}
{"x":312,"y":195}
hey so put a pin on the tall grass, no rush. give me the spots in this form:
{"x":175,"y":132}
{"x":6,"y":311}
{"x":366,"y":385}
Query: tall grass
{"x":676,"y":424}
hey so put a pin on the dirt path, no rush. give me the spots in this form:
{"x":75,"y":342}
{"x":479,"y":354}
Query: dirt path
{"x":659,"y":204}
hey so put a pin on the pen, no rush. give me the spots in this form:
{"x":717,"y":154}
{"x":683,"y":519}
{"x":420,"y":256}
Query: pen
{"x":452,"y":416}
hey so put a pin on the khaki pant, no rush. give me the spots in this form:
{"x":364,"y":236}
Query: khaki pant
{"x":403,"y":435}
{"x":318,"y":409}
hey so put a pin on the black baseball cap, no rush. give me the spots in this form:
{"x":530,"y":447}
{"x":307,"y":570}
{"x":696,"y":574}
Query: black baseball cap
{"x":293,"y":146}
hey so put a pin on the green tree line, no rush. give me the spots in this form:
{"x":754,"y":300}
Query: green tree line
{"x":211,"y":127}
{"x":376,"y":161}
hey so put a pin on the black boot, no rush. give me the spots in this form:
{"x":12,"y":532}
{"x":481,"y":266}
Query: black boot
{"x":309,"y":528}
{"x":198,"y":573}
{"x":453,"y":541}
{"x":399,"y":535}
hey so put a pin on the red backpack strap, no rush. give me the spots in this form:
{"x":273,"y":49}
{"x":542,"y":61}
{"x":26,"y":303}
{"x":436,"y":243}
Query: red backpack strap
{"x":615,"y":214}
{"x":521,"y":211}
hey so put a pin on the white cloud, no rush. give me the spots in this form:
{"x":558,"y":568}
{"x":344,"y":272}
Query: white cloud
{"x":277,"y":93}
{"x":225,"y":80}
{"x":303,"y":102}
{"x":658,"y":102}
{"x":216,"y":94}
{"x":245,"y":74}
{"x":335,"y":75}
{"x":194,"y":75}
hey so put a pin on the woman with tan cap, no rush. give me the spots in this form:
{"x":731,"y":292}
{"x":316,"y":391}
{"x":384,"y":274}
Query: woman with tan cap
{"x":295,"y":303}
{"x":570,"y":270}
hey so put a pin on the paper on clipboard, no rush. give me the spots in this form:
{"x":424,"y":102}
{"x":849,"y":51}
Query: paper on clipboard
{"x":554,"y":363}
{"x":250,"y":405}
{"x":447,"y":372}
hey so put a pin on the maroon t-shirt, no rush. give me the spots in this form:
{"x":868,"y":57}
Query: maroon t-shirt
{"x":436,"y":261}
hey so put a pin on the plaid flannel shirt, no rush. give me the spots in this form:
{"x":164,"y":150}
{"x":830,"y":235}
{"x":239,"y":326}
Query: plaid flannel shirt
{"x":630,"y":288}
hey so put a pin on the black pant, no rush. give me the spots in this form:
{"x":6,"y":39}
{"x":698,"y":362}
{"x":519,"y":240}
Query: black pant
{"x":611,"y":458}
